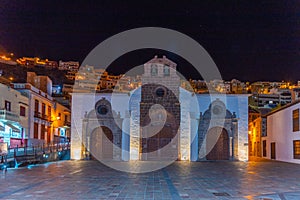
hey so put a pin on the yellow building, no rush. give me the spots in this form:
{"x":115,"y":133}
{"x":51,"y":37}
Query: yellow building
{"x":257,"y":129}
{"x":61,"y":123}
{"x":254,"y":138}
{"x":48,"y":121}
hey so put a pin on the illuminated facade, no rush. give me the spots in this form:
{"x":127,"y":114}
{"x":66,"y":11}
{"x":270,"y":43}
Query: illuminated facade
{"x":13,"y":117}
{"x":48,"y":121}
{"x":61,"y":123}
{"x":282,"y":141}
{"x":7,"y":60}
{"x":120,"y":126}
{"x":68,"y":65}
{"x":257,"y":130}
{"x":89,"y":79}
{"x":31,"y":62}
{"x":39,"y":115}
{"x":43,"y":83}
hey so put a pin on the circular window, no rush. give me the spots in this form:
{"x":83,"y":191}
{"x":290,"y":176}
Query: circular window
{"x":160,"y":92}
{"x":102,"y":110}
{"x":217,"y":110}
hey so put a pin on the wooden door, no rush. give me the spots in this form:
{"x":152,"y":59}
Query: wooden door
{"x":101,"y":143}
{"x":220,"y":150}
{"x":273,"y":150}
{"x":161,"y":146}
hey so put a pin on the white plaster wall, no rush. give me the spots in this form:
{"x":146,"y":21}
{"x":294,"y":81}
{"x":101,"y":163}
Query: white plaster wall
{"x":191,"y":106}
{"x":134,"y":108}
{"x":85,"y":102}
{"x":280,"y":131}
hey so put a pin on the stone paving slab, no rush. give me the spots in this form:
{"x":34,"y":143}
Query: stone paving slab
{"x":181,"y":180}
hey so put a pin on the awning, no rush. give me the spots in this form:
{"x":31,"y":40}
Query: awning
{"x":15,"y":129}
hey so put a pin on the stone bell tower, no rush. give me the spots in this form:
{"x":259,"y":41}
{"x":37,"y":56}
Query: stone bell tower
{"x":159,"y":111}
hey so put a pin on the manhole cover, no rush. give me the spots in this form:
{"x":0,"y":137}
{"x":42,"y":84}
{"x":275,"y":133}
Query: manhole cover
{"x":221,"y":194}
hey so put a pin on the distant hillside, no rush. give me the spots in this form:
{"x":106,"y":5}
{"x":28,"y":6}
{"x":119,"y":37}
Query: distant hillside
{"x":19,"y":73}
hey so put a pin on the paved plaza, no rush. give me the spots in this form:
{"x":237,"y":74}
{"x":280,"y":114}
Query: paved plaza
{"x":181,"y":180}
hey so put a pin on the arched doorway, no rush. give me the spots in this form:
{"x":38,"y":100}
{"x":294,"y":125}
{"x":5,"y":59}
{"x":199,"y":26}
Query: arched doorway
{"x":224,"y":145}
{"x":101,"y":143}
{"x":220,"y":150}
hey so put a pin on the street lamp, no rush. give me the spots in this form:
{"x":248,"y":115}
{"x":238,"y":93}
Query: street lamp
{"x":54,"y":126}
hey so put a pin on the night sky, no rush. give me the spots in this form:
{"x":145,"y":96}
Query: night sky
{"x":248,"y":41}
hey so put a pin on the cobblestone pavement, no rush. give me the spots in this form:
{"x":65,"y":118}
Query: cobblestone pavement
{"x":181,"y":180}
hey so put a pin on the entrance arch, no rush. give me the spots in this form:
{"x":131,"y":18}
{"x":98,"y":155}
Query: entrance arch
{"x":220,"y":150}
{"x":101,"y":143}
{"x":102,"y":132}
{"x":164,"y":143}
{"x":218,"y":133}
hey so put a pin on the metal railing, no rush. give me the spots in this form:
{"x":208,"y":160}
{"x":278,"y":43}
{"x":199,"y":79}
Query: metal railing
{"x":67,"y":123}
{"x":8,"y":115}
{"x":37,"y":150}
{"x":42,"y":116}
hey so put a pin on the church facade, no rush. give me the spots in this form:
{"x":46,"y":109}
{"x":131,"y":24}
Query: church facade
{"x":159,"y":121}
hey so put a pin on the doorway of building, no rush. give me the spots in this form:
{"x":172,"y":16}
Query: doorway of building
{"x":220,"y":150}
{"x":161,"y":146}
{"x":101,"y":143}
{"x":273,"y":150}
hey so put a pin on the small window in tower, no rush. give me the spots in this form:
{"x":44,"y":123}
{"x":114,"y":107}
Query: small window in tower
{"x":166,"y":70}
{"x":153,"y":70}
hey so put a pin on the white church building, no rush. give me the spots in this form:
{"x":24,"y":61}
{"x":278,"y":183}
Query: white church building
{"x":159,"y":121}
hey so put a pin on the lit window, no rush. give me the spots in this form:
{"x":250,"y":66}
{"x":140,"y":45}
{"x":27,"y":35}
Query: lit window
{"x":296,"y":120}
{"x":296,"y":149}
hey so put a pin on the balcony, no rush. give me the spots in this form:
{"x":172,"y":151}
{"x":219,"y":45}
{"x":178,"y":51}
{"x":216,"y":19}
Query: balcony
{"x":42,"y":116}
{"x":8,"y":115}
{"x":45,"y":117}
{"x":67,"y":123}
{"x":37,"y":115}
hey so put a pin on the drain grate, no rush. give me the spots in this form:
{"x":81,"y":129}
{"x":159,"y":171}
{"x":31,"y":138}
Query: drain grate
{"x":221,"y":194}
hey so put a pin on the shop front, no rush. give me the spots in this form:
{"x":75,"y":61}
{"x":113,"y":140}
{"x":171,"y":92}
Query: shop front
{"x":12,"y":134}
